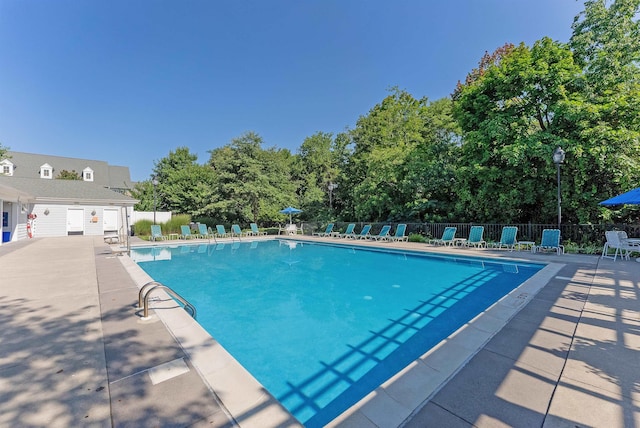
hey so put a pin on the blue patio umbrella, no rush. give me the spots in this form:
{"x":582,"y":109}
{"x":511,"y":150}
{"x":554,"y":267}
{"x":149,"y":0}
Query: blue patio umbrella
{"x":290,"y":210}
{"x":630,"y":197}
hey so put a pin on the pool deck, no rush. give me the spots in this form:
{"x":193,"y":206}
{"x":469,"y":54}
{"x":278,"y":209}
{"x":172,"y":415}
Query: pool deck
{"x":75,"y":352}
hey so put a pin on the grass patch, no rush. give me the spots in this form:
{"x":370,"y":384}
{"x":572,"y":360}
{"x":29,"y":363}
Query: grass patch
{"x":142,"y":228}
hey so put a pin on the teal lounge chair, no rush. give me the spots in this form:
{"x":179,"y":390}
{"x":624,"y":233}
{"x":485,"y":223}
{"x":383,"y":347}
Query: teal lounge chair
{"x":400,"y":233}
{"x":221,"y":232}
{"x":255,"y":231}
{"x":349,"y":232}
{"x":236,"y":231}
{"x":475,"y":237}
{"x":364,"y":233}
{"x":384,"y":233}
{"x":186,"y":232}
{"x":550,"y":242}
{"x":507,"y":238}
{"x":204,"y":232}
{"x":156,"y":233}
{"x":327,"y":231}
{"x":447,"y":236}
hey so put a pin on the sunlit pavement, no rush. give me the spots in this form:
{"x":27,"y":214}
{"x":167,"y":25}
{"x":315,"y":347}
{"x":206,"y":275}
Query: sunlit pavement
{"x":74,"y":351}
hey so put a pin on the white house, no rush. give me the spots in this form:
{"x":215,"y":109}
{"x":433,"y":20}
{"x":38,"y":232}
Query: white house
{"x":34,"y":202}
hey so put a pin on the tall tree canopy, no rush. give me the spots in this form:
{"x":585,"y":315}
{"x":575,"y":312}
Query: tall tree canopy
{"x":184,"y":186}
{"x":69,"y":175}
{"x":402,"y":158}
{"x":250,"y":181}
{"x":383,"y":143}
{"x":483,"y":155}
{"x":511,"y":117}
{"x":318,"y":166}
{"x":606,"y":123}
{"x":3,"y":151}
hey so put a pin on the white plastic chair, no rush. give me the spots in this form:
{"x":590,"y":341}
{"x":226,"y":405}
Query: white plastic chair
{"x":616,"y":240}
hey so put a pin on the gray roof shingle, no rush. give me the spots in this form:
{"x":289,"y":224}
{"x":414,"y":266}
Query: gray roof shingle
{"x":69,"y":191}
{"x":27,"y":165}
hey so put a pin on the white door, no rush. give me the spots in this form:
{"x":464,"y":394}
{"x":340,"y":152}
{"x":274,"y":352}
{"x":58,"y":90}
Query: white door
{"x":110,"y":222}
{"x":75,"y":221}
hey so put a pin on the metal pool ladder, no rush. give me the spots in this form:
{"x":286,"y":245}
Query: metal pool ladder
{"x":149,"y":287}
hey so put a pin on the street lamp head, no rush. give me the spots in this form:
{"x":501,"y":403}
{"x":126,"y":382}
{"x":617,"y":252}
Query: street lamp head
{"x":558,"y":156}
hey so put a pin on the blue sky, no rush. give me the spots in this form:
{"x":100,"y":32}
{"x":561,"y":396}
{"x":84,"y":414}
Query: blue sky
{"x":128,"y":81}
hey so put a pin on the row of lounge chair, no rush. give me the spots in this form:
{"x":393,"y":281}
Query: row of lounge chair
{"x":205,"y":232}
{"x":365,"y":233}
{"x":550,"y":239}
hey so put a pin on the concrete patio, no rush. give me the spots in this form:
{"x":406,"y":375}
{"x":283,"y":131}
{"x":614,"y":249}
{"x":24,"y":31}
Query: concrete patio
{"x":74,"y":352}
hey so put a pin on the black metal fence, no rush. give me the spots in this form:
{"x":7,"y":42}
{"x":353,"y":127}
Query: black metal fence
{"x":582,"y":234}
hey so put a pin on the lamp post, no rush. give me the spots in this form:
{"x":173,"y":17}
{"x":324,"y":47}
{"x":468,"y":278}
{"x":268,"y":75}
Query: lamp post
{"x":558,"y":159}
{"x":155,"y":184}
{"x":331,"y":187}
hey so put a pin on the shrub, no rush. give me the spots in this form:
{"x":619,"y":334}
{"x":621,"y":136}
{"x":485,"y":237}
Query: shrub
{"x":415,"y":237}
{"x":209,"y":221}
{"x":142,"y":227}
{"x":173,"y":225}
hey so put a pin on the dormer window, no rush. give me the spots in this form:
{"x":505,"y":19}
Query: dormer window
{"x":6,"y":167}
{"x":46,"y":171}
{"x":87,"y":174}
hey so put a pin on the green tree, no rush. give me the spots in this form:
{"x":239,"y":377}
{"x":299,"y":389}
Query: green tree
{"x":383,"y":143}
{"x":318,"y":170}
{"x":606,"y":123}
{"x":184,"y":186}
{"x":68,"y":175}
{"x":282,"y":190}
{"x":143,"y":191}
{"x":341,"y":152}
{"x":3,"y":152}
{"x":402,"y":160}
{"x":248,"y":179}
{"x":511,"y":111}
{"x":432,"y":167}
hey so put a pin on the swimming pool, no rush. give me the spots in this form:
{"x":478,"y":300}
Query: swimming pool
{"x":321,"y":326}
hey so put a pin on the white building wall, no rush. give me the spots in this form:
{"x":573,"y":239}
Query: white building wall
{"x":54,"y":222}
{"x":161,"y":216}
{"x":20,"y":229}
{"x":93,"y":220}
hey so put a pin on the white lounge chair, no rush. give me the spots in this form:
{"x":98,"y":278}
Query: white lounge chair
{"x":617,"y":240}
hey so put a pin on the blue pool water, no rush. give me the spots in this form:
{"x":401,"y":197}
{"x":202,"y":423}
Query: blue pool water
{"x":321,"y":326}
